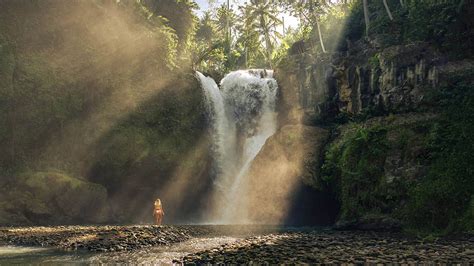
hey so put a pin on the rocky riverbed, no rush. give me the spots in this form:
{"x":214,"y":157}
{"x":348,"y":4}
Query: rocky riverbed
{"x":212,"y":244}
{"x":336,"y":247}
{"x":98,"y":238}
{"x":120,"y":238}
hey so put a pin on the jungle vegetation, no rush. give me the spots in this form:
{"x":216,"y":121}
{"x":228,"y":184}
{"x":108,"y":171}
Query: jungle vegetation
{"x":87,"y":105}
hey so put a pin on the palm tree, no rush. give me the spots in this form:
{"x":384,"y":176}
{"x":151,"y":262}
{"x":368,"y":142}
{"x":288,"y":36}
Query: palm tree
{"x":225,"y":19}
{"x":316,"y":9}
{"x":366,"y":13}
{"x":265,"y":14}
{"x":402,"y":3}
{"x":206,"y":28}
{"x":249,"y":35}
{"x":309,"y":12}
{"x":387,"y":9}
{"x":366,"y":17}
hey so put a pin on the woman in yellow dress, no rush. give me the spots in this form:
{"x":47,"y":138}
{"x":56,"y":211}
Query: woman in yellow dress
{"x":158,"y":212}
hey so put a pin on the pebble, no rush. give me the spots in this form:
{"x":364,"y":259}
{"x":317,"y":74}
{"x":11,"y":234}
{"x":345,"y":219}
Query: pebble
{"x":96,"y":238}
{"x":330,"y":247}
{"x":256,"y":246}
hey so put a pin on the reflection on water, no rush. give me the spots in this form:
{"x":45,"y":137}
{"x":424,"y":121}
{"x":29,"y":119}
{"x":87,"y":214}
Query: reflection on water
{"x":162,"y":255}
{"x":39,"y":256}
{"x":157,"y":255}
{"x":12,"y":250}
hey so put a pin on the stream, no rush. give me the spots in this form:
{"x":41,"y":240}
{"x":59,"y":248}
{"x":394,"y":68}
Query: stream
{"x":231,"y":244}
{"x":156,"y":255}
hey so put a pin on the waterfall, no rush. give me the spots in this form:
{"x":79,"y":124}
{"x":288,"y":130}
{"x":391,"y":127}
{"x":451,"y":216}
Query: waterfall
{"x":243,"y":117}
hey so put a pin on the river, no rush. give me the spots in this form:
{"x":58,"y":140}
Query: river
{"x":219,"y":244}
{"x":156,"y":255}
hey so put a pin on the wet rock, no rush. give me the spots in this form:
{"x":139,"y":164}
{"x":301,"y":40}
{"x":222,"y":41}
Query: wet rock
{"x":330,"y":247}
{"x":95,"y":238}
{"x":370,"y":223}
{"x":267,"y":246}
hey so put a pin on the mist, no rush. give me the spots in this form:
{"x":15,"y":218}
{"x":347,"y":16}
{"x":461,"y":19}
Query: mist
{"x":85,"y":70}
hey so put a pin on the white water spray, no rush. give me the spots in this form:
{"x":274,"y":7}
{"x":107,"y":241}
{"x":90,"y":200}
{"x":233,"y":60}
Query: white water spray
{"x":243,"y":118}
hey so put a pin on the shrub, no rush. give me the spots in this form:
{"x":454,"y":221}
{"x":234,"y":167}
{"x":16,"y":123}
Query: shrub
{"x":442,"y":201}
{"x":355,"y":165}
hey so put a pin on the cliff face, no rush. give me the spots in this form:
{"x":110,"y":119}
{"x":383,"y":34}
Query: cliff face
{"x":365,"y":79}
{"x":398,"y":101}
{"x":380,"y":107}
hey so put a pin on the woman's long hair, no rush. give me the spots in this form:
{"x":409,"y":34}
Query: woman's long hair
{"x":158,"y":204}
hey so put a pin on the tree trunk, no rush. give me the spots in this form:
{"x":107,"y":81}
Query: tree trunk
{"x":388,"y":9}
{"x":283,"y":25}
{"x":320,"y":37}
{"x":461,"y":3}
{"x":246,"y":57}
{"x":269,"y":49}
{"x":268,"y":43}
{"x":228,"y":33}
{"x":366,"y":17}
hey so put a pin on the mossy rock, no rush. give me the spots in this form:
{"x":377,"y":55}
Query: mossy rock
{"x":370,"y":222}
{"x":371,"y":165}
{"x":53,"y":197}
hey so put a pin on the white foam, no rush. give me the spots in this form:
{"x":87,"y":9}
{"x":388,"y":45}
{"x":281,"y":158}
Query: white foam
{"x":243,"y":118}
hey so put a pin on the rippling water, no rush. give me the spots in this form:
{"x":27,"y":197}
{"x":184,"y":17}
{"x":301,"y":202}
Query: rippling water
{"x":157,"y":255}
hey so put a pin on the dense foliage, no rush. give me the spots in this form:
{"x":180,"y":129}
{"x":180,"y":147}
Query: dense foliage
{"x":228,"y":40}
{"x":89,"y":88}
{"x":97,"y":96}
{"x":356,"y":165}
{"x":53,"y":80}
{"x":444,"y":198}
{"x":446,"y":24}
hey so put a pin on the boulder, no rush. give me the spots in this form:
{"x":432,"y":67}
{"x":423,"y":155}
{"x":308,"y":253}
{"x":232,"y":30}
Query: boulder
{"x":52,"y":198}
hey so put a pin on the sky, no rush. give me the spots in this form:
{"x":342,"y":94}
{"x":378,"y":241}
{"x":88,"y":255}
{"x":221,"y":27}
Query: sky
{"x":290,"y":21}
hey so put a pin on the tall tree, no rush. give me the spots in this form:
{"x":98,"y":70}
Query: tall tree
{"x":249,"y":36}
{"x":265,"y":12}
{"x":225,"y":21}
{"x":316,"y":9}
{"x":179,"y":15}
{"x":387,"y":9}
{"x":366,"y":17}
{"x":310,"y":12}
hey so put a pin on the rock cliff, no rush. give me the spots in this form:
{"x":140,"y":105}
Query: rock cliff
{"x":366,"y":78}
{"x":379,"y":110}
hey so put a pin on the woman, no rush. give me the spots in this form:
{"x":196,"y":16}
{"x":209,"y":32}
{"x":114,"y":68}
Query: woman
{"x":158,"y":212}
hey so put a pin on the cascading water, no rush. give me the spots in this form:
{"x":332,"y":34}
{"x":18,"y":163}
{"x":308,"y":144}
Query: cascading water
{"x":243,"y":118}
